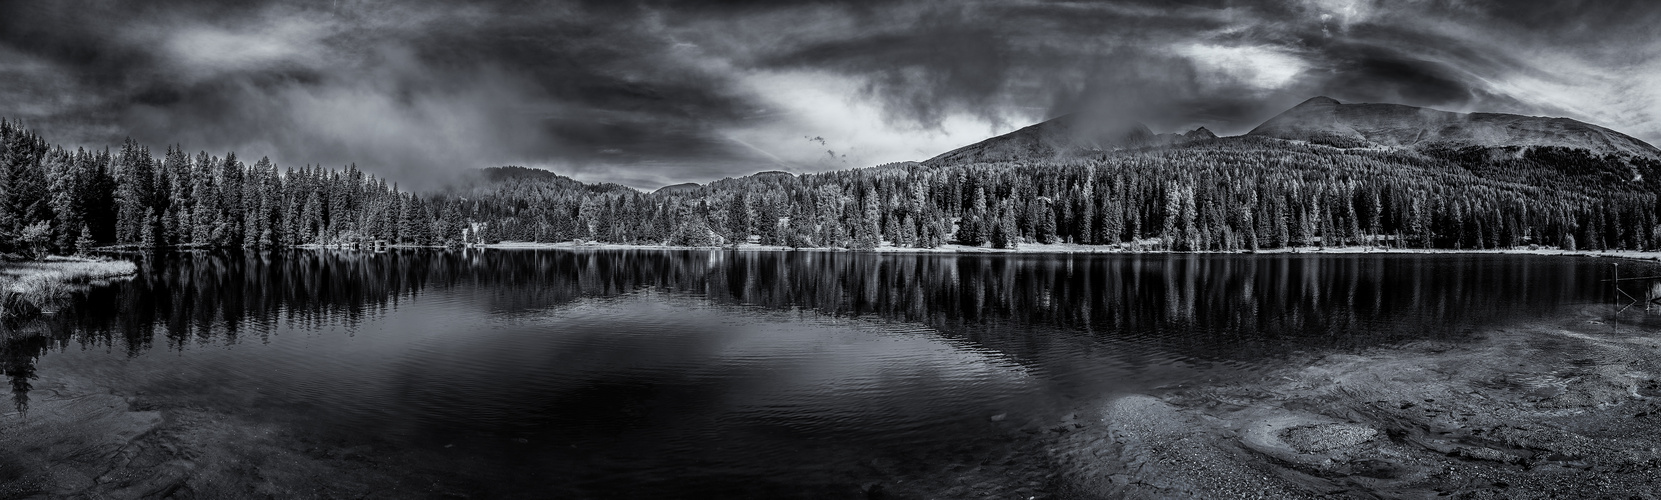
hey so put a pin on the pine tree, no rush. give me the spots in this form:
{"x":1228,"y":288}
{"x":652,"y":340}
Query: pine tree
{"x":908,"y":232}
{"x":177,"y":169}
{"x":229,"y":227}
{"x":310,"y":221}
{"x":971,"y":231}
{"x":204,"y":208}
{"x":1003,"y":227}
{"x":147,"y":230}
{"x":135,"y":192}
{"x":23,"y":185}
{"x":64,"y":179}
{"x":1045,"y":232}
{"x":84,"y":243}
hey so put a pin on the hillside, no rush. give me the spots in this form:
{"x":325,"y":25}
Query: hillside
{"x":682,"y":188}
{"x":513,"y":172}
{"x":1062,"y":137}
{"x":494,"y":177}
{"x":1324,"y":120}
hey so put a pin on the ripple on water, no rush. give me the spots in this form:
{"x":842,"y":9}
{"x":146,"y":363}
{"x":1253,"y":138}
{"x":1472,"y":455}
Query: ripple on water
{"x":650,"y":365}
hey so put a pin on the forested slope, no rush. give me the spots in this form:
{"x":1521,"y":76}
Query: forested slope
{"x":1233,"y":193}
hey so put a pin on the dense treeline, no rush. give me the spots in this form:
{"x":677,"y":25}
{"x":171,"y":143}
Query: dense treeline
{"x":56,"y":200}
{"x":1224,"y":194}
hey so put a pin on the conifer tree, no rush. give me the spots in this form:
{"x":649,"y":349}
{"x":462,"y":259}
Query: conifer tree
{"x":1003,"y":227}
{"x":1045,"y":232}
{"x":147,"y":230}
{"x":84,"y":242}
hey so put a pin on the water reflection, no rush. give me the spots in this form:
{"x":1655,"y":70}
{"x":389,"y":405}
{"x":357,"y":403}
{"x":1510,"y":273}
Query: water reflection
{"x":1151,"y":310}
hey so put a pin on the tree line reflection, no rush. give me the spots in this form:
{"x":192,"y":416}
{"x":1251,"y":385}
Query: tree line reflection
{"x":1202,"y":307}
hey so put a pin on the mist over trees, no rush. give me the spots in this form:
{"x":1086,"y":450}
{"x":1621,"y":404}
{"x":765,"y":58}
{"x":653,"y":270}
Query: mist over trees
{"x":1227,"y":194}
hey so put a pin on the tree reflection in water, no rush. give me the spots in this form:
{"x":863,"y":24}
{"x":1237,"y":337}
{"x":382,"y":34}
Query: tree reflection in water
{"x":1203,"y":308}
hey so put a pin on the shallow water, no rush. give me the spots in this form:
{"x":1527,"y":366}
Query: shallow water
{"x":697,"y":373}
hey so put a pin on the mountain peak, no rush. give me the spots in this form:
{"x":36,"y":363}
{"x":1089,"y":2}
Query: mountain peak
{"x":1199,"y":133}
{"x":1319,"y":101}
{"x":1068,"y":134}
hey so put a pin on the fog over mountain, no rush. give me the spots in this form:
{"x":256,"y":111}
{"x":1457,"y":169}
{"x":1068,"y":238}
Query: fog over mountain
{"x":650,"y":93}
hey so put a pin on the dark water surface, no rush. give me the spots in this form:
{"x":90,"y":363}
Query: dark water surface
{"x":698,"y":373}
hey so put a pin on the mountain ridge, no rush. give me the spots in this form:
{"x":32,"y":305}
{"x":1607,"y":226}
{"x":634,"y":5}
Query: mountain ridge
{"x":1069,"y":134}
{"x":1319,"y":120}
{"x":1323,"y":120}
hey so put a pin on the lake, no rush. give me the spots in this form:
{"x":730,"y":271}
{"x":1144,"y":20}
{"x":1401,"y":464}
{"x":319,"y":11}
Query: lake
{"x":697,"y":374}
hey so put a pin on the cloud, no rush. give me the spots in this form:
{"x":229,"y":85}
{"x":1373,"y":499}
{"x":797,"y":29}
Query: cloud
{"x":860,"y":131}
{"x":1257,"y":67}
{"x":652,"y":92}
{"x":207,"y":51}
{"x":416,"y":91}
{"x":1229,"y":65}
{"x":1341,"y":13}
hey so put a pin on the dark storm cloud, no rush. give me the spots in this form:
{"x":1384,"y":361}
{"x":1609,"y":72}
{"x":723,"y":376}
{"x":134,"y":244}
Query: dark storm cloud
{"x":1128,"y":57}
{"x":1384,"y":74}
{"x":660,"y":91}
{"x":407,"y":89}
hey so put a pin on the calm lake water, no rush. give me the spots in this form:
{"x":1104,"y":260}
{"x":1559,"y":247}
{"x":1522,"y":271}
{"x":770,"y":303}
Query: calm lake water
{"x":698,"y":373}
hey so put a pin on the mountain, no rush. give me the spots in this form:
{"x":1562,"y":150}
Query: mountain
{"x":685,"y":187}
{"x":1067,"y":135}
{"x":512,"y":172}
{"x":1323,"y":120}
{"x":1199,"y":134}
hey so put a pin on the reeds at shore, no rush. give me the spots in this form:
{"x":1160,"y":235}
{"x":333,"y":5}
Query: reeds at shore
{"x":33,"y":287}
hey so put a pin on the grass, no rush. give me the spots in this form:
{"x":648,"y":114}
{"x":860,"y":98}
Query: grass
{"x":33,"y":287}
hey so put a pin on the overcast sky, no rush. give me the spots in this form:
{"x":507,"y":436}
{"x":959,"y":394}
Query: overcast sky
{"x":648,"y":93}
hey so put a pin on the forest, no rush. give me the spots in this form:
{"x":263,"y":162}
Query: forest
{"x":1223,"y":194}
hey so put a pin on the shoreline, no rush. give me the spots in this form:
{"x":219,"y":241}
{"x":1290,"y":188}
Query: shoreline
{"x":1024,"y":249}
{"x":1070,"y":248}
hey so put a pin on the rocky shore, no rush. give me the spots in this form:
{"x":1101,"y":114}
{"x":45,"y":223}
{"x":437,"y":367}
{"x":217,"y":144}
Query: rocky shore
{"x":1566,"y":410}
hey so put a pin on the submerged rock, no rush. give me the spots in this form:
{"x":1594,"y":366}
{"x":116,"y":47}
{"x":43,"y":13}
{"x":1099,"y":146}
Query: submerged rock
{"x":1163,"y":452}
{"x":1532,"y":413}
{"x":1304,"y":438}
{"x":1326,"y":437}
